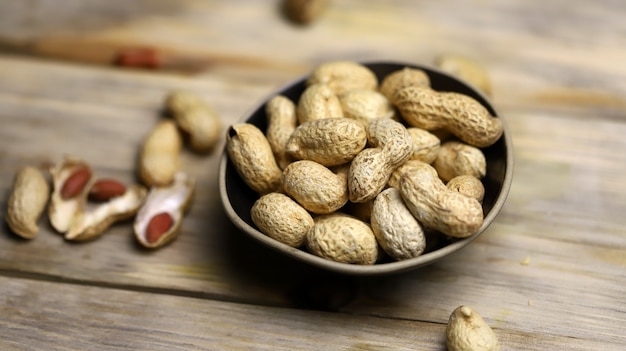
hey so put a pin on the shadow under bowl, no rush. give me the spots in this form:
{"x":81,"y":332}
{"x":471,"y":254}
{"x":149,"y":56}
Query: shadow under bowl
{"x":238,"y":198}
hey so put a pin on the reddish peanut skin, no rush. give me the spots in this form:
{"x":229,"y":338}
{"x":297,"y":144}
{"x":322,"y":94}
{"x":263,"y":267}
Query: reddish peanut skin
{"x":138,"y":58}
{"x":106,"y":189}
{"x":158,"y":225}
{"x":75,"y":183}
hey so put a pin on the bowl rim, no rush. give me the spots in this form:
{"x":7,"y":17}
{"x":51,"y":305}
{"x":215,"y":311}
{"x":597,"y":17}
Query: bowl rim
{"x":381,"y":268}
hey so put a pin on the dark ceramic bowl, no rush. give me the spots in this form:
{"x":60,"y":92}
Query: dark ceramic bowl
{"x":238,"y":198}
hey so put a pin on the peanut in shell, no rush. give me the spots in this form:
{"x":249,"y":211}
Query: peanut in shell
{"x":460,"y":114}
{"x":27,"y":202}
{"x":159,"y":159}
{"x":436,"y":206}
{"x":343,"y":76}
{"x":252,"y":157}
{"x":330,"y":142}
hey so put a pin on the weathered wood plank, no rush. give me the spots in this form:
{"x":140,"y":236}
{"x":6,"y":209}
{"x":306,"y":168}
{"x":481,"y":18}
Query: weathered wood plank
{"x":70,"y":317}
{"x":567,"y":185}
{"x":553,"y":54}
{"x":547,"y":275}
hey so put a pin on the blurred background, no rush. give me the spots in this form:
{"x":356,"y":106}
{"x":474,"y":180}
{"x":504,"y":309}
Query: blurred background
{"x":525,"y":44}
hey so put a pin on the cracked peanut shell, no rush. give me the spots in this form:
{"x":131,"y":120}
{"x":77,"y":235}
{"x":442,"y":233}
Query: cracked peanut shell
{"x":63,"y":209}
{"x":173,"y":201}
{"x":97,"y":218}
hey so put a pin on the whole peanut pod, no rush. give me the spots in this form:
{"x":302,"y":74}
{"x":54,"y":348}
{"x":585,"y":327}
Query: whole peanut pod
{"x":197,"y":119}
{"x":398,"y":173}
{"x":159,"y":159}
{"x":371,"y":169}
{"x":251,"y":154}
{"x":425,"y":145}
{"x":315,"y":187}
{"x":436,"y":206}
{"x":281,"y":218}
{"x":343,"y":76}
{"x":468,"y":331}
{"x":456,"y":158}
{"x":318,"y":101}
{"x":466,"y":69}
{"x":467,"y":185}
{"x":281,"y":122}
{"x":369,"y":172}
{"x":304,"y":12}
{"x":342,"y":238}
{"x":406,"y":77}
{"x":27,"y":202}
{"x":392,"y":137}
{"x":463,"y":116}
{"x":366,"y":105}
{"x":398,"y":232}
{"x":330,"y":141}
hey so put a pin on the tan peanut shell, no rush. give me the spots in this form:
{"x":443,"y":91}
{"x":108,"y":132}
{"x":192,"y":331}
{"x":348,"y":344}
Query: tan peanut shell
{"x":371,"y":169}
{"x":160,"y":154}
{"x":465,"y":69}
{"x":281,"y":122}
{"x":398,"y":232}
{"x":425,"y":145}
{"x":456,"y":158}
{"x":343,"y":76}
{"x":315,"y":187}
{"x":406,"y":77}
{"x":436,"y":206}
{"x":197,"y":119}
{"x":463,"y":116}
{"x":342,"y":238}
{"x":318,"y":101}
{"x":369,"y":173}
{"x":27,"y":202}
{"x":331,"y":141}
{"x":281,"y":218}
{"x":251,"y":154}
{"x":366,"y":105}
{"x":467,"y":185}
{"x":468,"y":331}
{"x":304,"y":11}
{"x":393,"y":138}
{"x":94,"y":221}
{"x":396,"y":175}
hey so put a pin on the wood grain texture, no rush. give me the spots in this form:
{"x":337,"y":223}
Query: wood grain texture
{"x":60,"y":314}
{"x":548,"y":274}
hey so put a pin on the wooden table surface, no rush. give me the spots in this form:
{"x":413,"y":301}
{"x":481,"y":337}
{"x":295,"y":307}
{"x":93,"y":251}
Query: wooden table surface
{"x":549,"y":274}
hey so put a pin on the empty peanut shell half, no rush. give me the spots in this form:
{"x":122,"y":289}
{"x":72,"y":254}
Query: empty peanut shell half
{"x":71,"y":179}
{"x":98,"y":218}
{"x":159,"y":219}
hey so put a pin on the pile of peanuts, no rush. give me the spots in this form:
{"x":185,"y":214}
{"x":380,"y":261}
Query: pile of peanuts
{"x":82,"y":206}
{"x":356,"y":169}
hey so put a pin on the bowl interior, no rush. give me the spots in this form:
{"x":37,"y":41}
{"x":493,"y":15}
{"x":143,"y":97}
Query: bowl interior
{"x":238,"y":198}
